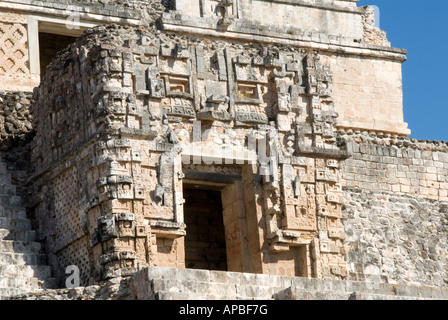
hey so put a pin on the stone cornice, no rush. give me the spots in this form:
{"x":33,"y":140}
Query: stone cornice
{"x":321,"y":5}
{"x":90,"y":13}
{"x":247,"y":31}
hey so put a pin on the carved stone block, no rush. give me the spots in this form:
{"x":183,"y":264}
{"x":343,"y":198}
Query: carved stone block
{"x":157,"y":88}
{"x":106,"y":228}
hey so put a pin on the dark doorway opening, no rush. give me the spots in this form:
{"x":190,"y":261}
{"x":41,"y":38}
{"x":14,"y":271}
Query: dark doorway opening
{"x":205,"y":242}
{"x":49,"y":45}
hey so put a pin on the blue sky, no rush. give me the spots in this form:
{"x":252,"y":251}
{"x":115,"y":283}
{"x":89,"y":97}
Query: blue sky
{"x":421,"y":27}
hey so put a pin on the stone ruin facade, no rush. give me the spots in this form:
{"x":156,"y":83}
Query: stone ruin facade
{"x":201,"y":135}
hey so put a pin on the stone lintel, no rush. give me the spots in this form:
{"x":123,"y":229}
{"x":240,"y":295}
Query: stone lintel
{"x":211,"y":177}
{"x":321,"y":5}
{"x":47,"y":9}
{"x":167,"y":229}
{"x":324,"y":153}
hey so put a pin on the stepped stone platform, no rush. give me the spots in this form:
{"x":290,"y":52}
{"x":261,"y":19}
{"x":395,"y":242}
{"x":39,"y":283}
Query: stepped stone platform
{"x":22,"y":262}
{"x":162,"y":283}
{"x":187,"y":284}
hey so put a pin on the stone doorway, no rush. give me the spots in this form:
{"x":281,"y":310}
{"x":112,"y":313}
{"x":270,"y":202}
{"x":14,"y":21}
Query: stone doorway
{"x":49,"y":45}
{"x":205,"y":241}
{"x":218,"y":201}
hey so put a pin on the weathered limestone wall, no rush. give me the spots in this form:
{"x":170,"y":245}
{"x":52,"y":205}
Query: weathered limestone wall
{"x":368,"y":93}
{"x":401,"y":166}
{"x":318,"y":18}
{"x":307,"y":16}
{"x":395,"y":199}
{"x":396,"y":239}
{"x":14,"y":55}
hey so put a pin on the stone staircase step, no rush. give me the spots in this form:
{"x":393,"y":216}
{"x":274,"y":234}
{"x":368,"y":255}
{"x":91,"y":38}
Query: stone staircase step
{"x":7,"y":190}
{"x":304,"y":294}
{"x":39,"y":271}
{"x":29,"y":283}
{"x":372,"y":296}
{"x":17,"y":213}
{"x":22,"y":259}
{"x":19,"y":235}
{"x":22,"y":264}
{"x":8,"y":292}
{"x":13,"y":246}
{"x":5,"y":178}
{"x":10,"y":200}
{"x":25,"y":286}
{"x":15,"y":224}
{"x":168,"y":295}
